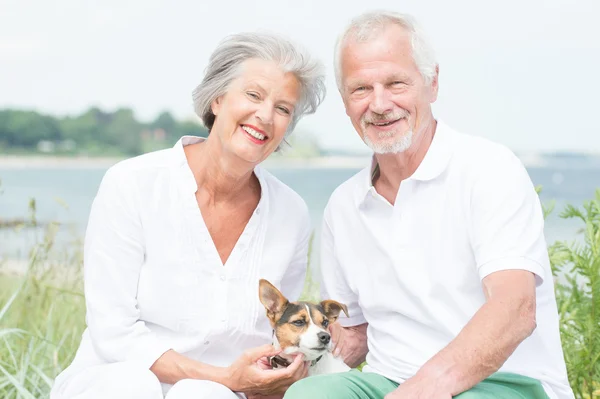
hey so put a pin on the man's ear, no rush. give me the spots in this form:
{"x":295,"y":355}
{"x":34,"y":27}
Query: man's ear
{"x":271,"y":298}
{"x":435,"y":85}
{"x":332,"y":309}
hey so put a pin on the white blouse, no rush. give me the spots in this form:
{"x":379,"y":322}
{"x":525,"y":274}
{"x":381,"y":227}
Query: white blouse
{"x":154,"y":280}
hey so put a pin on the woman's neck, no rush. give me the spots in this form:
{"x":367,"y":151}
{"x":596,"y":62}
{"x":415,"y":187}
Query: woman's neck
{"x":224,"y":177}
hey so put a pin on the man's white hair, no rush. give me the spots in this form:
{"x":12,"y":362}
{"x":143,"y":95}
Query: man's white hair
{"x":368,"y":25}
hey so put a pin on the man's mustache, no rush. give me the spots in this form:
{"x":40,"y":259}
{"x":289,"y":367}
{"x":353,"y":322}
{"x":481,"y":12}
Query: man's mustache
{"x":390,"y":116}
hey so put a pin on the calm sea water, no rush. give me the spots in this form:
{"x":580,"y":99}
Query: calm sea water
{"x":65,"y":195}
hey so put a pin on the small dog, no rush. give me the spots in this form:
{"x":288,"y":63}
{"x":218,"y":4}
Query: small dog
{"x":302,"y":327}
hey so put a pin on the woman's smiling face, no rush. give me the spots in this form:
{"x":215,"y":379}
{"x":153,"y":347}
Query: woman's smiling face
{"x":252,"y":117}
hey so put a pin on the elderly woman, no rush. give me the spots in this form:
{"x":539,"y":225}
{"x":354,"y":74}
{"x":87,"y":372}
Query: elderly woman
{"x":178,"y":239}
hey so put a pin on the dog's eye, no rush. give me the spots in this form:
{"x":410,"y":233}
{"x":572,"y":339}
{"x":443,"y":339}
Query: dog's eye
{"x":325,"y":323}
{"x":298,"y":323}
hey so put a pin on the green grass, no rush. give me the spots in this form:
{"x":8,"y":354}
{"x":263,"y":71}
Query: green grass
{"x":41,"y":320}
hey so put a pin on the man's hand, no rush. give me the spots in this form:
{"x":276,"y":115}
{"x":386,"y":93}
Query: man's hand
{"x":349,"y":343}
{"x":249,"y":374}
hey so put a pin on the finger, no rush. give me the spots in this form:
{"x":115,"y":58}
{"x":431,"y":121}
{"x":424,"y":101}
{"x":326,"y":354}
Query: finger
{"x":337,"y":351}
{"x":336,"y":334}
{"x":334,"y":330}
{"x":305,"y":370}
{"x":262,"y":351}
{"x":290,"y":370}
{"x":301,"y":372}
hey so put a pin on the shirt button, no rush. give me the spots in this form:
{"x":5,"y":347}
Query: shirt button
{"x":206,"y":342}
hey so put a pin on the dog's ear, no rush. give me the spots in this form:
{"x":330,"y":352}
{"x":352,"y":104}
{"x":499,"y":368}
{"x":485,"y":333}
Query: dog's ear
{"x":333,"y":308}
{"x":271,"y":298}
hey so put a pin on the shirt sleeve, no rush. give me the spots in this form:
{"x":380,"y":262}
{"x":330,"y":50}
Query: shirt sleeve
{"x":113,"y":256}
{"x":507,"y":225}
{"x":292,"y":283}
{"x":333,"y":281}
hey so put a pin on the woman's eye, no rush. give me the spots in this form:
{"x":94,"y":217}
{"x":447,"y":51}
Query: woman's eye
{"x":325,"y":323}
{"x":298,"y":323}
{"x":253,"y":95}
{"x":284,"y":110}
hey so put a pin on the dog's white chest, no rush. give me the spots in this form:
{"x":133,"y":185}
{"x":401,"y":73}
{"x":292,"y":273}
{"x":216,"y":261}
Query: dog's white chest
{"x":328,"y":365}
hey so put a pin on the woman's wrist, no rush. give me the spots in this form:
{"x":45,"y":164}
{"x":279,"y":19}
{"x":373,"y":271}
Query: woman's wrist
{"x":223,"y":376}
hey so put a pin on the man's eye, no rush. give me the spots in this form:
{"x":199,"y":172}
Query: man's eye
{"x":325,"y":323}
{"x":298,"y":323}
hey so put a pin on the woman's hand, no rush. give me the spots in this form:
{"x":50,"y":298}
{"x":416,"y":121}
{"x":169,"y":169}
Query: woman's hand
{"x":249,"y":375}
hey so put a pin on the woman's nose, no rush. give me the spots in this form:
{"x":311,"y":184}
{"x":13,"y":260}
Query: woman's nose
{"x":265,"y":114}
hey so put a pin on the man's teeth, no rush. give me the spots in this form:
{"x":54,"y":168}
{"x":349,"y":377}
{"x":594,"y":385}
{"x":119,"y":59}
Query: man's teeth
{"x":383,"y":123}
{"x":254,"y":133}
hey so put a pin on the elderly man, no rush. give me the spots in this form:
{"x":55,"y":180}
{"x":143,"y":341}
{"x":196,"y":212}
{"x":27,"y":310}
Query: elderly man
{"x":437,"y":248}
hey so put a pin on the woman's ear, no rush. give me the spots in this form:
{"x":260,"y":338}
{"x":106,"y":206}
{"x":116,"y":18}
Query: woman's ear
{"x":215,"y":106}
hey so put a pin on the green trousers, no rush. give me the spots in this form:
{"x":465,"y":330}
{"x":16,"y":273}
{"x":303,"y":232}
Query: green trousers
{"x":357,"y":385}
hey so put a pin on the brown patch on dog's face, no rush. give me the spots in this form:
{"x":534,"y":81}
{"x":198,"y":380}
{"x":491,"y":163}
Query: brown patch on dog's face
{"x":318,"y":316}
{"x":293,"y":322}
{"x":333,"y":308}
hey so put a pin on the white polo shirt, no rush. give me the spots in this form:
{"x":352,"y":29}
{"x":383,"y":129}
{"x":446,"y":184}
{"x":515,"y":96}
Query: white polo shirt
{"x":414,"y":270}
{"x":154,"y":280}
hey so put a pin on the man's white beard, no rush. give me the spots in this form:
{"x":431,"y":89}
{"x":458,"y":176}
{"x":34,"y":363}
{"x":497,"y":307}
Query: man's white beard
{"x":399,"y":144}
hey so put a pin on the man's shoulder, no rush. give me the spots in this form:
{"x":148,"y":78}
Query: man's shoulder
{"x":478,"y":154}
{"x":349,"y":192}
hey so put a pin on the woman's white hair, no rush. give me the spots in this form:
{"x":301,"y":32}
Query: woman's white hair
{"x":225,"y":62}
{"x":368,"y":25}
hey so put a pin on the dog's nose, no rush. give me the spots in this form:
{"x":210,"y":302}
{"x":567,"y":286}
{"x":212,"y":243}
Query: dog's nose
{"x":324,"y":337}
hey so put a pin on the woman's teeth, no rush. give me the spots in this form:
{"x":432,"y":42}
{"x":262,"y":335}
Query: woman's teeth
{"x":254,"y":133}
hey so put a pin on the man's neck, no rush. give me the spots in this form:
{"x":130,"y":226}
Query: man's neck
{"x":217,"y":174}
{"x":392,"y":169}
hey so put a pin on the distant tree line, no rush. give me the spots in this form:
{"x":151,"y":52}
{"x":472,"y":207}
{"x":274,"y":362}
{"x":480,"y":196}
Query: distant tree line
{"x":94,"y":132}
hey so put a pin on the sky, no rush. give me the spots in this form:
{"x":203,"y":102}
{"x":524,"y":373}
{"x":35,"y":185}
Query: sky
{"x":520,"y":72}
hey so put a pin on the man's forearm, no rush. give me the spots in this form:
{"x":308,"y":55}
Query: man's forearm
{"x":481,"y":348}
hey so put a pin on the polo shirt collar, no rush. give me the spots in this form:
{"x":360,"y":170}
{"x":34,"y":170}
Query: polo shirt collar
{"x":438,"y":155}
{"x":434,"y":163}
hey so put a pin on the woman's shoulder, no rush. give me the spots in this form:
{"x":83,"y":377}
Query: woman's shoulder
{"x":132,"y":172}
{"x":146,"y":162}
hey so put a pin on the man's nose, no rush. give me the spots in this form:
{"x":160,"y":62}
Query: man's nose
{"x":324,"y":337}
{"x":380,"y":101}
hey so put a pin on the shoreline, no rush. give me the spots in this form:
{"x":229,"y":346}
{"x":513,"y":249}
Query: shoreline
{"x":9,"y":162}
{"x":24,"y":162}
